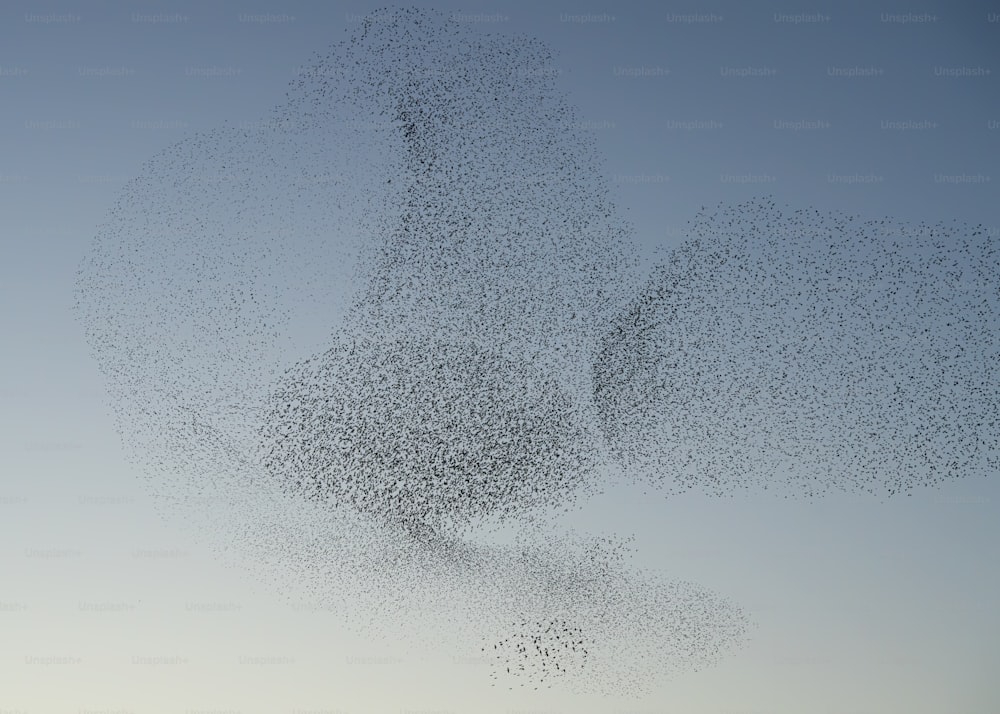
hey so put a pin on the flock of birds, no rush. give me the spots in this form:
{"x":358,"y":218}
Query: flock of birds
{"x":355,"y":342}
{"x":808,"y":353}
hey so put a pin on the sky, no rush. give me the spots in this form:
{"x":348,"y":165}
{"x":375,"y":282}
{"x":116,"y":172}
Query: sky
{"x":860,"y":606}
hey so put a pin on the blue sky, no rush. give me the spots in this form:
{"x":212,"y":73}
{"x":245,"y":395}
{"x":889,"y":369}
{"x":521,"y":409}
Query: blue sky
{"x":861,"y":606}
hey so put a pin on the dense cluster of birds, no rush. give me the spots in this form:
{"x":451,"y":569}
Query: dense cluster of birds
{"x":384,"y":425}
{"x":492,"y":260}
{"x":808,"y":352}
{"x":356,"y":341}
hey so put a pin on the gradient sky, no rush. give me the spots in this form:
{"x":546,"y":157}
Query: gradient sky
{"x":862,"y":607}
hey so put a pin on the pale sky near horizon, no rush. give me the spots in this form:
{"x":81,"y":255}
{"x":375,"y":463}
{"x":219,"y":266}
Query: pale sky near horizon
{"x":861,"y":607}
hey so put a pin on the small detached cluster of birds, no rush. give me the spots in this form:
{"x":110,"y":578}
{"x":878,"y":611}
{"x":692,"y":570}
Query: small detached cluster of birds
{"x":538,"y":650}
{"x":353,"y":343}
